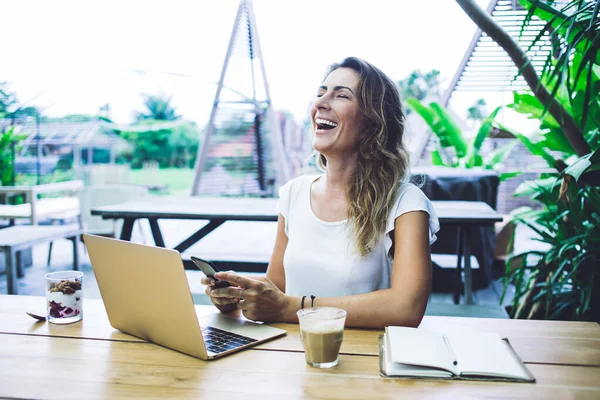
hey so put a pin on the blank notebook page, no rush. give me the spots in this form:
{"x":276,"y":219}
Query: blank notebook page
{"x":418,"y":347}
{"x":484,"y":354}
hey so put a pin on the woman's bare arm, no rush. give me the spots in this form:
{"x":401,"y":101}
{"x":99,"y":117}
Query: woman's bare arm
{"x":275,"y":271}
{"x":405,"y":302}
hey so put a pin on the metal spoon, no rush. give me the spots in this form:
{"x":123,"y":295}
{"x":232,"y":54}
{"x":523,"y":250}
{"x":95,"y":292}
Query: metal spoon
{"x":35,"y":316}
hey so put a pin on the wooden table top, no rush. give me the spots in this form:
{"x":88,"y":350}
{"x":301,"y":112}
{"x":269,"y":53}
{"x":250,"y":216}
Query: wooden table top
{"x":265,"y":209}
{"x":53,"y":367}
{"x":36,"y":358}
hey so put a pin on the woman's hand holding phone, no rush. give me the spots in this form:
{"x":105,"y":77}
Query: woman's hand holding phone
{"x":214,"y":286}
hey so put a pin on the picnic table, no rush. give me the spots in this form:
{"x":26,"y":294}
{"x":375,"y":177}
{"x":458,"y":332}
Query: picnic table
{"x":463,"y":214}
{"x":564,"y":357}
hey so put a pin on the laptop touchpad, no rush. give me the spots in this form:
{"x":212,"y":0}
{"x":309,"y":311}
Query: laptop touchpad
{"x":240,"y":326}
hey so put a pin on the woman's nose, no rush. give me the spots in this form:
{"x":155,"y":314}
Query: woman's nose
{"x":322,"y":102}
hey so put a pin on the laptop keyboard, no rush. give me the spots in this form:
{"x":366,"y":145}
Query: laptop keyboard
{"x":219,"y":341}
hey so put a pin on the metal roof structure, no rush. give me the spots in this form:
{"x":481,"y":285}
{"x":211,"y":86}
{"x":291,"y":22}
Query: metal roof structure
{"x":486,"y":67}
{"x":81,"y":134}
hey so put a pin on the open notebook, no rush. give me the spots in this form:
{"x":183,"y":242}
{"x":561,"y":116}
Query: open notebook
{"x":418,"y":353}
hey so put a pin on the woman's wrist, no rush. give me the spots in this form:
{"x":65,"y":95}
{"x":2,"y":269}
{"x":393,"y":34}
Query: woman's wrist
{"x":291,"y":308}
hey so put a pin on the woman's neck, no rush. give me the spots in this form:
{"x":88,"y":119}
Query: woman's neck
{"x":338,"y":174}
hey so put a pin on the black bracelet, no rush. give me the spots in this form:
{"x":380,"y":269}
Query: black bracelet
{"x":312,"y":300}
{"x":302,"y":303}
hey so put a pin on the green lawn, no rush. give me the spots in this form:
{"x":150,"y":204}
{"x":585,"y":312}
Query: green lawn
{"x":178,"y":181}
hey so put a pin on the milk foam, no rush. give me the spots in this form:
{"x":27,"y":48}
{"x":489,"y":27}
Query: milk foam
{"x":322,"y":326}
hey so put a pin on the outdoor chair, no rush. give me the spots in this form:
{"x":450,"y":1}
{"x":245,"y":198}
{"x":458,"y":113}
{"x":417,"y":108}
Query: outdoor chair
{"x":104,"y":195}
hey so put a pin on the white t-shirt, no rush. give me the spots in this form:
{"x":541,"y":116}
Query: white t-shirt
{"x":321,"y":257}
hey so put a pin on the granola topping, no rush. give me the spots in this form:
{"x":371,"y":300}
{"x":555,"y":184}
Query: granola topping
{"x":65,"y":286}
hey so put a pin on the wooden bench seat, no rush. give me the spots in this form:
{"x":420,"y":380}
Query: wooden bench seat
{"x":35,"y":208}
{"x":45,"y":208}
{"x":14,"y":239}
{"x":233,"y":262}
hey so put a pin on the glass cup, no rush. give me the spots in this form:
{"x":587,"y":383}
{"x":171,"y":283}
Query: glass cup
{"x":64,"y":296}
{"x":322,"y":332}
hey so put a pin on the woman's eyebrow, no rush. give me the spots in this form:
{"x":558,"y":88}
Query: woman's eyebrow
{"x":336,"y":88}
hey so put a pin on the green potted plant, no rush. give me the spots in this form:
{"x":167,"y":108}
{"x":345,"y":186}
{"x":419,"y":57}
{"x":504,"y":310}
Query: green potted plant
{"x":7,"y":141}
{"x":561,"y":281}
{"x":464,"y":153}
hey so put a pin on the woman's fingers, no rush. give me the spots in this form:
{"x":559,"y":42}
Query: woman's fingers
{"x":237,"y":280}
{"x":230,"y":291}
{"x":207,"y":281}
{"x":224,"y":301}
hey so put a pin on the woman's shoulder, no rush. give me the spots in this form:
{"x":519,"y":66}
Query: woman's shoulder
{"x":296,"y":188}
{"x":409,"y":197}
{"x":409,"y":191}
{"x":298,"y":182}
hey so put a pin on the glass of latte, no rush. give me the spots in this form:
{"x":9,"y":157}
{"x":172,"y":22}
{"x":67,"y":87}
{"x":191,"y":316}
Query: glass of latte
{"x":322,"y":332}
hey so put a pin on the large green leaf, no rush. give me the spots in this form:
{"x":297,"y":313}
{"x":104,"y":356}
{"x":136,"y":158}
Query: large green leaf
{"x":578,"y":167}
{"x":555,"y":140}
{"x":450,"y":129}
{"x":508,"y":175}
{"x":537,"y":149}
{"x":528,"y":104}
{"x":436,"y":158}
{"x":495,"y":158}
{"x":530,"y":188}
{"x":438,"y":126}
{"x":427,"y":114}
{"x":589,"y":162}
{"x":473,"y":156}
{"x":587,"y":114}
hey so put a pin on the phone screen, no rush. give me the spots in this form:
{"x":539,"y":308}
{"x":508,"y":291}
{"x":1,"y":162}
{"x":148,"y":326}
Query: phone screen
{"x":209,"y":269}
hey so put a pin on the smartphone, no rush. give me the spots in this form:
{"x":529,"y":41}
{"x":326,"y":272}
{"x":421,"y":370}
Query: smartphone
{"x":209,"y":270}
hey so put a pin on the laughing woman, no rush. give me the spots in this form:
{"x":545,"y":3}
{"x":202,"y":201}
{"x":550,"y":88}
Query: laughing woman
{"x":356,"y":236}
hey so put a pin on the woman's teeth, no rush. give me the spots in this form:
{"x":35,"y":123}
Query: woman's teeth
{"x":321,"y":121}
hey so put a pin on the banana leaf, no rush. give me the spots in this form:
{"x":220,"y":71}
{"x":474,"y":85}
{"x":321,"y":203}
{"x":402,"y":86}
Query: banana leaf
{"x":497,"y":157}
{"x":447,"y":127}
{"x":554,"y":139}
{"x":473,"y":157}
{"x":531,"y":188}
{"x":433,"y":121}
{"x":427,"y":114}
{"x":537,"y":149}
{"x":583,"y":164}
{"x":528,"y":104}
{"x":436,"y":158}
{"x":508,"y":175}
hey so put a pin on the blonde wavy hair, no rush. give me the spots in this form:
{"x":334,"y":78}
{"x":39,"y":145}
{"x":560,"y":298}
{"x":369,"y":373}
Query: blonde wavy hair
{"x":382,"y":162}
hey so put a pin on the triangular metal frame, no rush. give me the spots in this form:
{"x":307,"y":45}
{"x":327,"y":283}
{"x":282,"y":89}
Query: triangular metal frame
{"x":483,"y":54}
{"x":244,"y":8}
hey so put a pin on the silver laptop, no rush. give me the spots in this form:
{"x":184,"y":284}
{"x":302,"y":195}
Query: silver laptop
{"x":146,"y":294}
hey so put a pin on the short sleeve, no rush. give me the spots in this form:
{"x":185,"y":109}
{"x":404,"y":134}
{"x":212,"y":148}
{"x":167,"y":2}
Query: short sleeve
{"x":283,"y":206}
{"x":411,"y":198}
{"x":289,"y":195}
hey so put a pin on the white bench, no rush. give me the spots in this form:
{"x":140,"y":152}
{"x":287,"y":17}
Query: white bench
{"x":14,"y":239}
{"x":36,"y":210}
